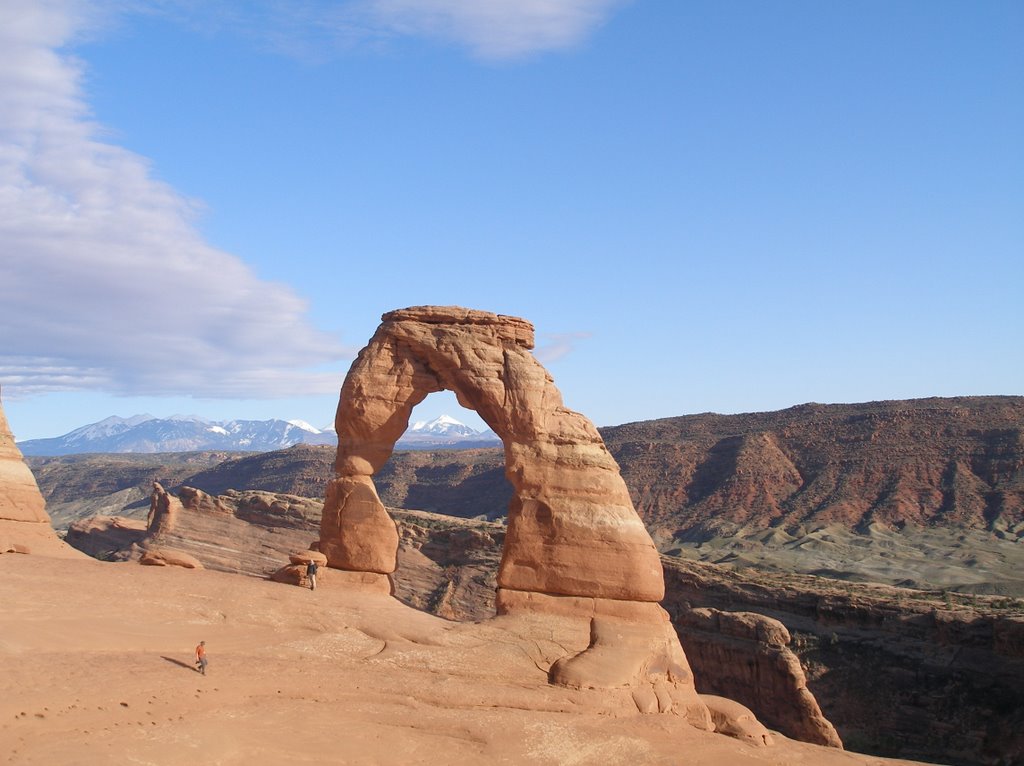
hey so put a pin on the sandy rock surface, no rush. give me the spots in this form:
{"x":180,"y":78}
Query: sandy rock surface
{"x":24,"y":525}
{"x":335,"y":676}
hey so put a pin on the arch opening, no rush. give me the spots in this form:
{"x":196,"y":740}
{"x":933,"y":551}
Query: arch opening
{"x":445,"y":487}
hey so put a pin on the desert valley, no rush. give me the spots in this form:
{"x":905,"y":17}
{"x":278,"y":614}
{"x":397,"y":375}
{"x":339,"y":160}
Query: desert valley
{"x":827,"y":584}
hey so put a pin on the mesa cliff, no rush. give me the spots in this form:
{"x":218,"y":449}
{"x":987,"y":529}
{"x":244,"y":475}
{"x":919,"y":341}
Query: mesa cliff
{"x":901,"y":672}
{"x":955,"y":462}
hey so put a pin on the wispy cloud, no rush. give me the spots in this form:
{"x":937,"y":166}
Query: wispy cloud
{"x":494,"y":29}
{"x":104,"y":281}
{"x":557,"y":345}
{"x":316,"y":29}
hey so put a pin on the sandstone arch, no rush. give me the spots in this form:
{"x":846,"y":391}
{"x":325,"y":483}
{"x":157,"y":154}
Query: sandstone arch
{"x":575,"y":548}
{"x":572,"y":527}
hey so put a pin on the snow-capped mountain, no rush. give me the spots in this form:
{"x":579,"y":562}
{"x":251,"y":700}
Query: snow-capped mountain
{"x":187,"y":433}
{"x":145,"y":433}
{"x":445,"y":432}
{"x":445,"y":425}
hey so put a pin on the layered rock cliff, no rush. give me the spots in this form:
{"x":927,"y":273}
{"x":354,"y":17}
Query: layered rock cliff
{"x":925,"y":462}
{"x":24,"y":525}
{"x":948,"y":463}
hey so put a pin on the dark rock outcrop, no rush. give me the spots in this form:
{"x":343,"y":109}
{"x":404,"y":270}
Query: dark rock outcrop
{"x":903,"y":673}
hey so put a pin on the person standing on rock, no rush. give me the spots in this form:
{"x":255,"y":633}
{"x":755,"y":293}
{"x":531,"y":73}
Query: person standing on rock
{"x":311,"y":574}
{"x":201,"y":657}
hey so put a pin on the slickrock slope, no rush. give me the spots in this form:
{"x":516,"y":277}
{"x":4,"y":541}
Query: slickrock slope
{"x":243,"y":532}
{"x":446,"y":566}
{"x":896,"y":671}
{"x":334,"y":676}
{"x":107,"y":538}
{"x":24,"y":525}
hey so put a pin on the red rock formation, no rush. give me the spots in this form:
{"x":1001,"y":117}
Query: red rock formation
{"x":295,"y":572}
{"x":905,"y":673}
{"x":733,"y":719}
{"x":572,"y":527}
{"x":575,"y":546}
{"x":955,"y":462}
{"x":235,"y":532}
{"x":746,"y":657}
{"x":166,"y":557}
{"x":109,"y":538}
{"x":24,"y":525}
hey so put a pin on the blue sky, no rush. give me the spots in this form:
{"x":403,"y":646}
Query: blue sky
{"x":702,"y":206}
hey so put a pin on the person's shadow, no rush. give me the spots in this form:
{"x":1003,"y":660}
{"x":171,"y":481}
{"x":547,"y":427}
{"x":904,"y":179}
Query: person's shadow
{"x":180,"y":663}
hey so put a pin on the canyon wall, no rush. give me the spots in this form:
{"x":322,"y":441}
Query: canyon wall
{"x":902,"y":673}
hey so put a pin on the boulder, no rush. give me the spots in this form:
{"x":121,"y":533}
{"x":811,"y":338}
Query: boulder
{"x":294,"y":573}
{"x":168,"y":557}
{"x":304,"y":557}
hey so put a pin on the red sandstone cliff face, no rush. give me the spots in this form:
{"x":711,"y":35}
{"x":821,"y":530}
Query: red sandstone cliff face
{"x":24,"y":524}
{"x":746,"y":657}
{"x":948,"y":462}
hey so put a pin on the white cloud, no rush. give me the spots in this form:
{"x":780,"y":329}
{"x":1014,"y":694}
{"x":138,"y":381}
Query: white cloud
{"x":558,"y":345}
{"x":104,"y":281}
{"x":314,"y":29}
{"x":495,"y":28}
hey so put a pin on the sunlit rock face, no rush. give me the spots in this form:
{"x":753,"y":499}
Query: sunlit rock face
{"x":575,"y":547}
{"x":572,"y":527}
{"x":24,"y":525}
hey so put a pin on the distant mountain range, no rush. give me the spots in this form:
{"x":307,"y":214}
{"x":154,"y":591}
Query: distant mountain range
{"x":181,"y":433}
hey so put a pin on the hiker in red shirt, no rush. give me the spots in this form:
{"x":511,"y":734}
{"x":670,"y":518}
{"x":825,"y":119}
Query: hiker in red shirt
{"x":201,"y":657}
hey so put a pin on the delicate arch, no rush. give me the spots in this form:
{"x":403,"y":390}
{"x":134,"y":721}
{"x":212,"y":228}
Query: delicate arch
{"x":572,"y":528}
